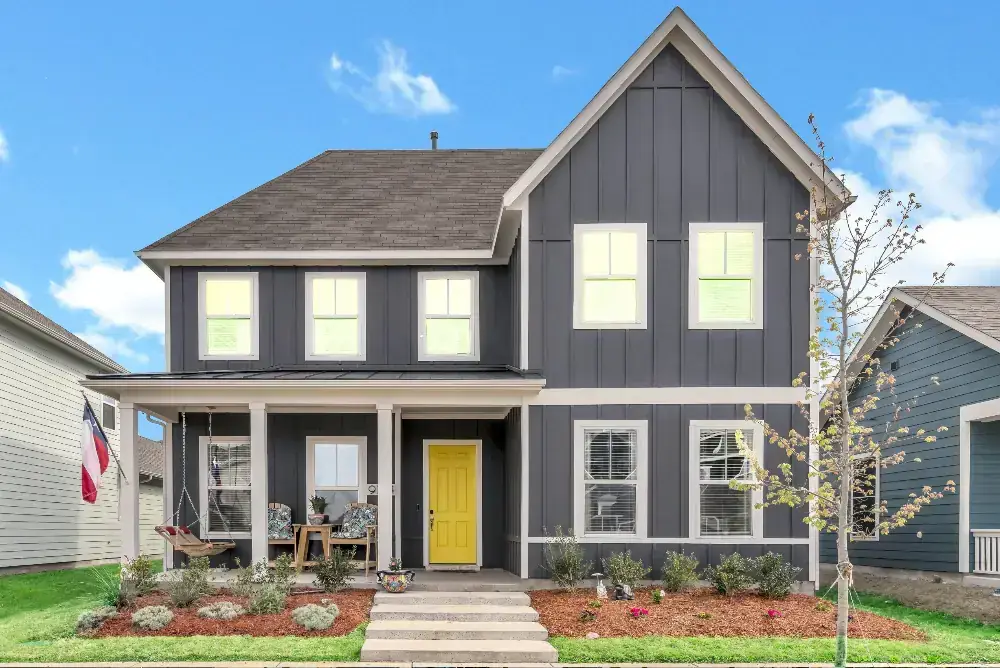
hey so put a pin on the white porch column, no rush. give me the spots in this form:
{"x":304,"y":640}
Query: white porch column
{"x":129,"y":501}
{"x":258,"y":481}
{"x":384,"y":485}
{"x":168,"y":490}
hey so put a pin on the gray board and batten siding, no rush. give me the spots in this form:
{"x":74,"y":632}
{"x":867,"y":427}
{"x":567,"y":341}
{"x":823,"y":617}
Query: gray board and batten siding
{"x":939,"y":371}
{"x":667,"y":153}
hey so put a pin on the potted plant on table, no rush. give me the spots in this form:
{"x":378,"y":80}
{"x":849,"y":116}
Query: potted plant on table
{"x":395,"y":580}
{"x":318,"y":515}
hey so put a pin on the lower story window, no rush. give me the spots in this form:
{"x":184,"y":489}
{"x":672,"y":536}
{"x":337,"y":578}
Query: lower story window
{"x":336,"y":471}
{"x":610,"y":478}
{"x":865,"y":500}
{"x":716,"y":508}
{"x":226,"y":473}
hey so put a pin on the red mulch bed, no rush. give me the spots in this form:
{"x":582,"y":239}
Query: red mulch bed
{"x":354,"y":605}
{"x":677,"y":615}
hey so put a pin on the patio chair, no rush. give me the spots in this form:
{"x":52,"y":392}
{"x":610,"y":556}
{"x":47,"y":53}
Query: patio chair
{"x":279,"y":527}
{"x":358,"y":528}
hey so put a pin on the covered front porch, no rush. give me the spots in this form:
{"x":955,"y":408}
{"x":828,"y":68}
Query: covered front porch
{"x":437,"y":453}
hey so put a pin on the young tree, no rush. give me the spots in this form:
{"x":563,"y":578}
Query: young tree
{"x":841,"y":452}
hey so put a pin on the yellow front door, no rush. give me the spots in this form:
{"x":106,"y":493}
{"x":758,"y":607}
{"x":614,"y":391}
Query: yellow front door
{"x":452,"y":503}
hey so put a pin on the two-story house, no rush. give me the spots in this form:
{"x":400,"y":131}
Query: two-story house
{"x":490,"y":344}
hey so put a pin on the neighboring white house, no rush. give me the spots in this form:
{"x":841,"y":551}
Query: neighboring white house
{"x":43,"y":520}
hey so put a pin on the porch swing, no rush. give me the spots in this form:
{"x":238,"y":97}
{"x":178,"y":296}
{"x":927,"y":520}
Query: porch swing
{"x":181,"y":537}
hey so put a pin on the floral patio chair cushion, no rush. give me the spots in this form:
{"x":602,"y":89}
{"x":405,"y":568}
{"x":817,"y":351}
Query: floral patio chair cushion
{"x":356,"y":522}
{"x":279,"y":523}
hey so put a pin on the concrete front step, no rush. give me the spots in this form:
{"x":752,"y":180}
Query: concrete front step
{"x":453,"y":598}
{"x":451,"y":652}
{"x":454,"y":613}
{"x":448,"y":630}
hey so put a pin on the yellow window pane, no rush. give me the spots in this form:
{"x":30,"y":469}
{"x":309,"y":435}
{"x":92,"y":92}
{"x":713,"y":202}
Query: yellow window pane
{"x":609,"y":300}
{"x":436,"y":296}
{"x":324,"y":296}
{"x":347,"y":296}
{"x":623,"y":253}
{"x":596,"y":253}
{"x":459,"y":296}
{"x":726,"y":299}
{"x":228,"y":297}
{"x":335,"y":336}
{"x":739,"y":253}
{"x":228,"y":336}
{"x":448,"y":336}
{"x":711,"y":253}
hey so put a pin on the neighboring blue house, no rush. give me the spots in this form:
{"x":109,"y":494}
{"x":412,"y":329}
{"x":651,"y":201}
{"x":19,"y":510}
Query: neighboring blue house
{"x":947,"y":369}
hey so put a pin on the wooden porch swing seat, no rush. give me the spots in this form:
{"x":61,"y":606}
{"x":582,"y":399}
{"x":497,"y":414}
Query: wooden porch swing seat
{"x":182,"y":540}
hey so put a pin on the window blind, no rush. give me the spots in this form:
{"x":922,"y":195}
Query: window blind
{"x":229,"y":487}
{"x":610,"y":475}
{"x":724,"y":511}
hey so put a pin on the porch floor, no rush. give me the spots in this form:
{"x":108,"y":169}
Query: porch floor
{"x":487,"y":579}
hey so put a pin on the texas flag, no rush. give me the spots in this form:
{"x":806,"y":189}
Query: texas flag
{"x":95,"y":455}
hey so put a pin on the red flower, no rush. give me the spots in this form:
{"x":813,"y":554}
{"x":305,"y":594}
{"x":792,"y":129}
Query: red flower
{"x":773,"y":614}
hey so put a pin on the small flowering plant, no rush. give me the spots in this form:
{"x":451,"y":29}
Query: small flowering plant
{"x":638,"y":612}
{"x":773,"y":614}
{"x":395,"y":564}
{"x":658,"y":596}
{"x":588,"y":615}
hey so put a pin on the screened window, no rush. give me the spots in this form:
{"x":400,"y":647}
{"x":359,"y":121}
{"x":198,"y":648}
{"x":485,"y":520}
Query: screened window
{"x":335,"y":321}
{"x":717,"y":509}
{"x":226,"y":495}
{"x":610,"y":494}
{"x":337,"y":472}
{"x":610,"y":276}
{"x":726,"y":280}
{"x":108,"y":416}
{"x":865,"y":500}
{"x":449,"y":316}
{"x":227,"y":304}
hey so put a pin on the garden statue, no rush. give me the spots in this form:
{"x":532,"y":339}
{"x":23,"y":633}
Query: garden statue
{"x":623,"y":593}
{"x":602,"y":591}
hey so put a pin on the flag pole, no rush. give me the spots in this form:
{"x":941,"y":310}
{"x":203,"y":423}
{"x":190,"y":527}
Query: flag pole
{"x":101,"y":429}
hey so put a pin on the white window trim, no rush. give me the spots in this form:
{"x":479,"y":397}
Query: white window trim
{"x":203,"y":277}
{"x":694,"y":478}
{"x":860,"y":537}
{"x":422,"y":354}
{"x":757,"y":280}
{"x":641,"y":428}
{"x":641,"y":275}
{"x":203,"y":472}
{"x":114,"y":407}
{"x":362,"y":488}
{"x":362,"y":316}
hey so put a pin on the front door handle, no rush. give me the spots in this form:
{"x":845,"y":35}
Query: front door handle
{"x":430,"y":522}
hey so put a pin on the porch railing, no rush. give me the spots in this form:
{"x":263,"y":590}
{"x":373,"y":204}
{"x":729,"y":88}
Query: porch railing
{"x":987,"y":551}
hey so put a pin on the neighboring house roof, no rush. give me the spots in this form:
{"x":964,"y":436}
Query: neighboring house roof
{"x":150,"y":454}
{"x":24,"y":314}
{"x":436,"y":200}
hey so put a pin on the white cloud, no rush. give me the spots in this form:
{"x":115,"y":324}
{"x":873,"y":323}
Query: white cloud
{"x":560,"y":72}
{"x":393,"y":89}
{"x":4,"y":148}
{"x":113,"y":347}
{"x":16,"y":290}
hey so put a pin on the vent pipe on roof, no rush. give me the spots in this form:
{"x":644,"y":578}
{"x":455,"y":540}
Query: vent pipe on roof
{"x":434,"y":140}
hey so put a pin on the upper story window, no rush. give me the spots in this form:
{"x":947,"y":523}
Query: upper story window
{"x":227,"y":316}
{"x":716,"y":508}
{"x":610,"y":477}
{"x":335,"y":316}
{"x":448,"y":316}
{"x":726,"y":276}
{"x":609,"y":286}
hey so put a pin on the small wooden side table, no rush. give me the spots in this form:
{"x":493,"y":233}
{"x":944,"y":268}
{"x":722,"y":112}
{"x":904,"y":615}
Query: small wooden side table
{"x":304,"y":530}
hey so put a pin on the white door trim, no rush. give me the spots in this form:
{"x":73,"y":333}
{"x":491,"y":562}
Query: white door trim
{"x":479,"y":502}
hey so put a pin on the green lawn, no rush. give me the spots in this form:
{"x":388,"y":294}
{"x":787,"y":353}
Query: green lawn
{"x":950,"y":640}
{"x":38,"y":612}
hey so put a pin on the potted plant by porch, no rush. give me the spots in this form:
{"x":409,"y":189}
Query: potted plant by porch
{"x":318,"y":514}
{"x":395,"y":580}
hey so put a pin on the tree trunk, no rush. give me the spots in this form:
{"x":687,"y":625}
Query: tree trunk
{"x":843,"y":574}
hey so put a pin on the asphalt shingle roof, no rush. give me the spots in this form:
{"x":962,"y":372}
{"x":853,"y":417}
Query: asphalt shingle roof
{"x":977,"y":306}
{"x":150,"y":457}
{"x":366,"y":200}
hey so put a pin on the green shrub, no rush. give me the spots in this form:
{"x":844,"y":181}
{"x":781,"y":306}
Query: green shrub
{"x":334,"y":573}
{"x":284,"y":573}
{"x":734,"y":575}
{"x":622,"y":569}
{"x":679,"y":571}
{"x":152,"y":617}
{"x":224,"y":610}
{"x":775,"y":577}
{"x":246,"y":578}
{"x":267,"y":599}
{"x":142,"y":574}
{"x":314,"y":617}
{"x":187,"y":584}
{"x":90,"y":621}
{"x":563,"y":559}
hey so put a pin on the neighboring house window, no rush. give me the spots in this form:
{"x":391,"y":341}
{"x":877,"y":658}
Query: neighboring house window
{"x":335,"y":316}
{"x":227,"y":316}
{"x":865,"y":501}
{"x":609,"y":290}
{"x":336,"y":469}
{"x":610,"y":477}
{"x":716,"y":508}
{"x":725,"y":277}
{"x":108,"y":415}
{"x":225,"y":492}
{"x":448,"y":315}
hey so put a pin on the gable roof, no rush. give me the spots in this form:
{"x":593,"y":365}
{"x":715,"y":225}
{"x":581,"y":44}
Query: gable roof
{"x":18,"y":310}
{"x":680,"y":31}
{"x":434,"y":200}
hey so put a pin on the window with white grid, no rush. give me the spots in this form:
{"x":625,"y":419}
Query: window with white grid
{"x":725,"y":279}
{"x":609,"y":263}
{"x":716,"y":508}
{"x":865,"y":502}
{"x":335,"y":316}
{"x":337,"y":470}
{"x":610,"y":494}
{"x":448,"y":304}
{"x":227,"y":315}
{"x":225,"y":493}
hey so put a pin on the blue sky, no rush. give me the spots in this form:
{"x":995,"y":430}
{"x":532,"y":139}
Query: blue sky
{"x":120,"y":122}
